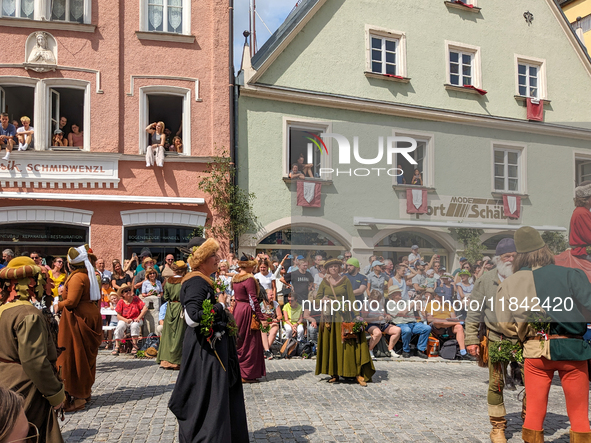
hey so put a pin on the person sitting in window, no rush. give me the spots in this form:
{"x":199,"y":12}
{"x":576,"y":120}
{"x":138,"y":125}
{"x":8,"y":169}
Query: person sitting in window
{"x":76,"y":137}
{"x":24,"y":134}
{"x":295,"y":172}
{"x":400,"y":178}
{"x":305,"y":168}
{"x":416,"y":178}
{"x":7,"y":134}
{"x":58,"y":138}
{"x":62,"y":127}
{"x":177,"y":145}
{"x":157,"y":140}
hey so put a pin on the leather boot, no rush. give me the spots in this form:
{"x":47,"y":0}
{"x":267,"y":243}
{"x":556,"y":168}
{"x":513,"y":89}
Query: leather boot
{"x":580,"y":437}
{"x":531,"y":436}
{"x":499,"y":424}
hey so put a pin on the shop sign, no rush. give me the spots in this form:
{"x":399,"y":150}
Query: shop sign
{"x":59,"y":168}
{"x":459,"y":208}
{"x":40,"y":233}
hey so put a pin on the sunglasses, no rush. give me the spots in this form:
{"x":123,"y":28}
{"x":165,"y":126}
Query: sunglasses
{"x":35,"y":258}
{"x":126,"y":290}
{"x":32,"y":435}
{"x":59,"y":261}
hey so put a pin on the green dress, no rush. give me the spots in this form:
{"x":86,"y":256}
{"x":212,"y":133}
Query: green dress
{"x":348,"y":359}
{"x":171,"y":340}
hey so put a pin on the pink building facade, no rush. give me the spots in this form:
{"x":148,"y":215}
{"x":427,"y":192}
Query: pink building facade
{"x":112,"y":68}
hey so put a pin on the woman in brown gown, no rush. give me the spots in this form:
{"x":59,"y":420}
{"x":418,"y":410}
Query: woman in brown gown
{"x":81,"y":329}
{"x":249,"y":345}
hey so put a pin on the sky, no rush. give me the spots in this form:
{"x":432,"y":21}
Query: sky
{"x":273,"y":12}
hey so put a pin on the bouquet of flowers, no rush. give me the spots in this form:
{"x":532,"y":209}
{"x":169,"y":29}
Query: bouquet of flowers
{"x":232,"y":328}
{"x":206,"y":325}
{"x":359,"y":325}
{"x":219,"y":286}
{"x":506,"y":351}
{"x":265,"y":329}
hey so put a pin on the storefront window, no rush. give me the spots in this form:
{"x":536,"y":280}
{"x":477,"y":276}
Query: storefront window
{"x":300,"y":241}
{"x":398,"y":245}
{"x":48,"y":240}
{"x":160,"y":241}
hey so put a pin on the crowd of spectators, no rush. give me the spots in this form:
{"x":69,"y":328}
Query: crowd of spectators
{"x":287,"y":283}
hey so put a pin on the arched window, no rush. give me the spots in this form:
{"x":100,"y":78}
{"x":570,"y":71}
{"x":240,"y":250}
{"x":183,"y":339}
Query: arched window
{"x":398,"y":244}
{"x":300,"y":241}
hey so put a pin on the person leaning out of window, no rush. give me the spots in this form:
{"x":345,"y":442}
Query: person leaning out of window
{"x":155,"y":150}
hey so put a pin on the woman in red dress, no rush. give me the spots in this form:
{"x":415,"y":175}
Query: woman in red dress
{"x":580,"y":222}
{"x":249,"y":345}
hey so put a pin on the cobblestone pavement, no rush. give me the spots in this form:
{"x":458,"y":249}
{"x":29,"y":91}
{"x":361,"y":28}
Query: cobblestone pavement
{"x":408,"y":401}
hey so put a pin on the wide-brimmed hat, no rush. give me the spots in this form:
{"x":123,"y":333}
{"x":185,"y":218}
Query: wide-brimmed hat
{"x":122,"y":288}
{"x":464,"y":272}
{"x":393,"y":289}
{"x":333,"y":261}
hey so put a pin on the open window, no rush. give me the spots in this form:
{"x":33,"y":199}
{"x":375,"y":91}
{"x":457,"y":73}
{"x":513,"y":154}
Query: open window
{"x":423,"y":155}
{"x":68,"y":103}
{"x":169,"y":110}
{"x":531,"y":77}
{"x":304,"y":146}
{"x":17,"y":101}
{"x":582,"y":170}
{"x":170,"y":105}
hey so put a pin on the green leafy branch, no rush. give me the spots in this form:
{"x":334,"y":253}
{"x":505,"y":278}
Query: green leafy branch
{"x":231,"y":205}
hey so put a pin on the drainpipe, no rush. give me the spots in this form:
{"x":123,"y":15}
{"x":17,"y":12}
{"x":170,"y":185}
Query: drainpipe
{"x":233,"y":102}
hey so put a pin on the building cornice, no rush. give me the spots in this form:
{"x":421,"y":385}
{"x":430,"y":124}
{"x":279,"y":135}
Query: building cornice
{"x":350,"y":103}
{"x":102,"y":198}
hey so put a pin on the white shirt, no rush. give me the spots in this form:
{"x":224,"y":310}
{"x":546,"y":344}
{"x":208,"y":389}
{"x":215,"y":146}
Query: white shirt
{"x":266,"y":281}
{"x":22,"y":129}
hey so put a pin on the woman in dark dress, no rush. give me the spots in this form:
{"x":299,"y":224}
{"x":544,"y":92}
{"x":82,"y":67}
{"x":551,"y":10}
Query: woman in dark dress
{"x":208,"y":400}
{"x":250,"y":346}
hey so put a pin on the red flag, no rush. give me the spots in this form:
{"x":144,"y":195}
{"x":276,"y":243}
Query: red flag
{"x":309,"y":194}
{"x":511,"y":206}
{"x":460,"y":2}
{"x":535,"y":111}
{"x":480,"y":91}
{"x":416,"y":201}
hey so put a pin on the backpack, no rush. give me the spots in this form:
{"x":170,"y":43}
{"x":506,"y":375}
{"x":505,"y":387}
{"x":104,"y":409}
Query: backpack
{"x":449,"y":349}
{"x":305,"y":349}
{"x":381,"y":348}
{"x":289,"y":348}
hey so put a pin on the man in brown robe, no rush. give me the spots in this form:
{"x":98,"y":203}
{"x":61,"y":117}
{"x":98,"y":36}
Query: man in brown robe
{"x":27,"y":363}
{"x":81,"y":329}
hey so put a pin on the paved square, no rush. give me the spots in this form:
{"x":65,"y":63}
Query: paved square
{"x":409,"y":401}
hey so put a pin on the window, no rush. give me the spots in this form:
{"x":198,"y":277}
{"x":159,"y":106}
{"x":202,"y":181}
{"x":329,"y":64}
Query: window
{"x":68,"y":103}
{"x":423,"y":155}
{"x":170,"y":105}
{"x":303,"y":147}
{"x":383,"y":55}
{"x":386,"y":52}
{"x":17,"y":101}
{"x":582,"y":170}
{"x":68,"y":10}
{"x":531,"y":77}
{"x":463,"y":65}
{"x":18,"y":8}
{"x":460,"y":68}
{"x":171,"y":16}
{"x":507,"y":170}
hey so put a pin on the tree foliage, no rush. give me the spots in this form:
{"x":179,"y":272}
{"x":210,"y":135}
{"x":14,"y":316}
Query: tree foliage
{"x":556,"y":241}
{"x":473,"y":246}
{"x":230,"y":204}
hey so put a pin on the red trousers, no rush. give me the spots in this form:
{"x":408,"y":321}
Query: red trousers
{"x":538,"y":373}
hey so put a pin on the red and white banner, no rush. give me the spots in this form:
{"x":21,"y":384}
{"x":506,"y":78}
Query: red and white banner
{"x":416,"y":201}
{"x":511,"y":206}
{"x":309,"y":194}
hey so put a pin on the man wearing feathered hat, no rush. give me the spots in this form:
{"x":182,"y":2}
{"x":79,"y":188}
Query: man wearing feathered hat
{"x":81,"y":329}
{"x":28,"y":363}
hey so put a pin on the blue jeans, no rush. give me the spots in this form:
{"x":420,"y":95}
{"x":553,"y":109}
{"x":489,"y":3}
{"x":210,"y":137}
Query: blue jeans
{"x":407,"y":331}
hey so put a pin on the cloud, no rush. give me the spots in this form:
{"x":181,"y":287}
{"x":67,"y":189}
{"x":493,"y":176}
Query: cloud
{"x":273,"y":12}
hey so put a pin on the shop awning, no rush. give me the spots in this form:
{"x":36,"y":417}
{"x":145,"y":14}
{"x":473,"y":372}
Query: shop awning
{"x":369,"y":221}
